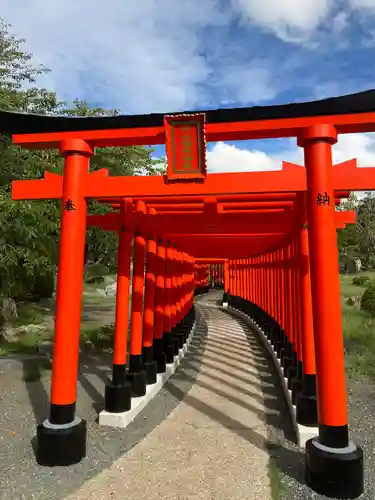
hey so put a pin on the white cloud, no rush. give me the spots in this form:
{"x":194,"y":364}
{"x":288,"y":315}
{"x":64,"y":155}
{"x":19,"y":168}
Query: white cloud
{"x":362,"y":4}
{"x":140,"y":55}
{"x":229,"y":158}
{"x":360,"y":146}
{"x":366,"y":13}
{"x":340,"y":22}
{"x":290,"y":20}
{"x":252,"y":82}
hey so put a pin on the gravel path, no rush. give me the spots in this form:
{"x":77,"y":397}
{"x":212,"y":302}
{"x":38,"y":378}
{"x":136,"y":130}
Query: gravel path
{"x":213,"y":445}
{"x":23,"y":404}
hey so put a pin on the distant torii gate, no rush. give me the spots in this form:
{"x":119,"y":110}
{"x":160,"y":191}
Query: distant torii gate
{"x":301,"y":377}
{"x":334,"y":465}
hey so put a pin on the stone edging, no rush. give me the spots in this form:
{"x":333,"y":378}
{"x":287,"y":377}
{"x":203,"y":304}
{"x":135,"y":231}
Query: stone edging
{"x":122,"y":420}
{"x":302,"y":432}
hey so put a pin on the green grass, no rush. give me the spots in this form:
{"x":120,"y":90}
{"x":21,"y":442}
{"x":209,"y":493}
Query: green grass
{"x":358,"y":331}
{"x":26,"y":344}
{"x":274,"y":475}
{"x":96,"y":273}
{"x":29,"y":313}
{"x":347,"y":287}
{"x":98,"y":311}
{"x":358,"y":326}
{"x":100,"y":336}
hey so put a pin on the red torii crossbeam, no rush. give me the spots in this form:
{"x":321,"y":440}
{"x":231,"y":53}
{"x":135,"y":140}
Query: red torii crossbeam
{"x":292,"y":178}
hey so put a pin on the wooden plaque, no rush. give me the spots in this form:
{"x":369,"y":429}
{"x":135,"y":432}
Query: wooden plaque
{"x":185,"y":146}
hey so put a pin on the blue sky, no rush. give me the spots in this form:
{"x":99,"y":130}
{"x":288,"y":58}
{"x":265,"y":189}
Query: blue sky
{"x":146,"y":56}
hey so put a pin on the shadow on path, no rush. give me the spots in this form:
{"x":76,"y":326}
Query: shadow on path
{"x":281,"y":433}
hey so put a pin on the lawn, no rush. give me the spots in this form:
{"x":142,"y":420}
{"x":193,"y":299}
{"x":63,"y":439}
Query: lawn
{"x":98,"y":313}
{"x":358,"y":330}
{"x":97,"y":318}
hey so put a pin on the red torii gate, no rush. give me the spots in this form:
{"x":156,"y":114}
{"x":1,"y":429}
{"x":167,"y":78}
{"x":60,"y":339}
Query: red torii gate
{"x":334,"y":464}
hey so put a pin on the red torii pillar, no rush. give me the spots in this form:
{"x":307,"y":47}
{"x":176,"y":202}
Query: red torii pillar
{"x":118,"y":392}
{"x":61,"y":438}
{"x":137,"y":373}
{"x":226,"y":283}
{"x":306,"y":402}
{"x":171,"y":347}
{"x":158,"y":353}
{"x":331,"y":457}
{"x":149,"y":312}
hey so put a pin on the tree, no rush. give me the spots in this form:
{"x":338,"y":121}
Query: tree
{"x":366,"y":228}
{"x":30,"y":230}
{"x":17,"y":75}
{"x":358,"y":241}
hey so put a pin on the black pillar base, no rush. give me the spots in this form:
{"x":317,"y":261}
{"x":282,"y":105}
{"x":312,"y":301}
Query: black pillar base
{"x":269,"y":331}
{"x":334,"y":472}
{"x":176,"y":345}
{"x":307,"y":410}
{"x":286,"y":351}
{"x":138,"y":383}
{"x":296,"y":387}
{"x":61,"y":445}
{"x":286,"y":364}
{"x":161,"y":363}
{"x":171,"y":346}
{"x":291,"y":374}
{"x":186,"y":333}
{"x":180,"y":337}
{"x":279,"y":348}
{"x":306,"y":402}
{"x":278,"y":336}
{"x":149,"y":365}
{"x":151,"y":372}
{"x":118,"y":397}
{"x":169,"y":353}
{"x":159,"y":356}
{"x":137,"y":375}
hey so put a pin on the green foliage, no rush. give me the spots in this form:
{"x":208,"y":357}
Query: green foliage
{"x":368,"y":299}
{"x":361,"y":280}
{"x":102,"y":337}
{"x":359,"y":333}
{"x":16,"y":70}
{"x":28,"y":313}
{"x":359,"y":341}
{"x":359,"y":240}
{"x":95,"y":273}
{"x":25,"y":344}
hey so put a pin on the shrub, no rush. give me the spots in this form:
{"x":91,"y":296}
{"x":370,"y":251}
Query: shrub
{"x":95,"y":273}
{"x":361,"y":280}
{"x":102,"y":337}
{"x":97,"y":280}
{"x":43,"y":284}
{"x":368,"y":299}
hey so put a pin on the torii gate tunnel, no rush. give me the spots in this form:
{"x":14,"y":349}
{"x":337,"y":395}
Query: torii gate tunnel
{"x":268,"y":238}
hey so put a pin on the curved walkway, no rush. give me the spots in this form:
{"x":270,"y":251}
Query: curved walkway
{"x":213,"y":445}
